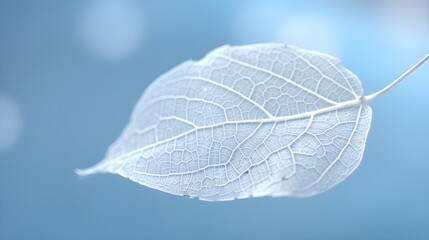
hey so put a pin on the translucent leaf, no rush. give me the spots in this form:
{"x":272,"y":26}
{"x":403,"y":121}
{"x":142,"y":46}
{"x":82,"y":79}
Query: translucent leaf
{"x":256,"y":120}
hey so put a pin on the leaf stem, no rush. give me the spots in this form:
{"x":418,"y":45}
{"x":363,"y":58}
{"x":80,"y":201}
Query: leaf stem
{"x":400,"y":78}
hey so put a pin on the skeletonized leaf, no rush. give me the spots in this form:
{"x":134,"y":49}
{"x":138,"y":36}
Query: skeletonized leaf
{"x":255,"y":120}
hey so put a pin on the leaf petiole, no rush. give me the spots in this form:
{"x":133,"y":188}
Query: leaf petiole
{"x":400,"y":78}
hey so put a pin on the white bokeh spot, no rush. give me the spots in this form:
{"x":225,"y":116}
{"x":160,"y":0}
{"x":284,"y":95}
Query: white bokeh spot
{"x":261,"y":22}
{"x":312,"y":33}
{"x":405,"y":23}
{"x":112,"y":29}
{"x":10,"y":123}
{"x":256,"y":22}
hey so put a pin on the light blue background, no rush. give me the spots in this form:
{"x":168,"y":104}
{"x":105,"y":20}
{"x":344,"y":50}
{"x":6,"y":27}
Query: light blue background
{"x":74,"y":104}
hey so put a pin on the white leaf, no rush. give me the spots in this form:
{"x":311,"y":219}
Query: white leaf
{"x":255,"y":120}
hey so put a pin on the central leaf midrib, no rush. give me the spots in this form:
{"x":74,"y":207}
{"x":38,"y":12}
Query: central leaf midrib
{"x":341,"y":105}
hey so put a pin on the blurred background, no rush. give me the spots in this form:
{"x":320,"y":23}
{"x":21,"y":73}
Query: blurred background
{"x":71,"y":72}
